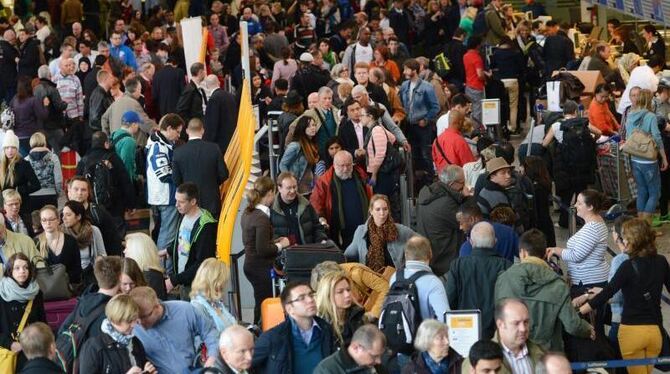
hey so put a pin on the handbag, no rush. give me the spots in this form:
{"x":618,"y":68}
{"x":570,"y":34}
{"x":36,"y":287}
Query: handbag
{"x":53,"y":280}
{"x":640,"y":144}
{"x":392,"y":160}
{"x":7,"y":357}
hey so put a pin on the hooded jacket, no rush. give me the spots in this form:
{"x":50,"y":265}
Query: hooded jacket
{"x":160,"y":186}
{"x":646,"y":121}
{"x":436,"y":219}
{"x":91,"y":301}
{"x":548,"y":300}
{"x":203,"y":246}
{"x":47,"y":168}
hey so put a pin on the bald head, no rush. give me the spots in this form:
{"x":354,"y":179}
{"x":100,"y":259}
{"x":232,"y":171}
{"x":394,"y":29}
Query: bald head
{"x":482,"y":235}
{"x":554,"y":363}
{"x":67,"y":66}
{"x":343,"y":163}
{"x":212,"y":82}
{"x":9,"y":35}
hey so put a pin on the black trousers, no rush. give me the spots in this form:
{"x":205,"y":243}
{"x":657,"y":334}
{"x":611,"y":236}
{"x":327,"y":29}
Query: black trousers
{"x":259,"y":277}
{"x":665,"y":192}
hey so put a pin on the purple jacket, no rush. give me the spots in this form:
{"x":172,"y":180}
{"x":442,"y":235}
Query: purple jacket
{"x":28,"y":116}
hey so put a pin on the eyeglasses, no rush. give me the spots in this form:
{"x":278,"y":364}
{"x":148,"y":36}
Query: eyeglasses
{"x":45,"y":220}
{"x":302,"y":298}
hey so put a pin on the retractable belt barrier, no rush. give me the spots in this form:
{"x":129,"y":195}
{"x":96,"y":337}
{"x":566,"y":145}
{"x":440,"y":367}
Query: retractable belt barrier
{"x":619,"y":363}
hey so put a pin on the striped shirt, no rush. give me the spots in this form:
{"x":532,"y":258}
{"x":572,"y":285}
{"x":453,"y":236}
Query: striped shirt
{"x":521,"y":363}
{"x":585,"y":254}
{"x":69,"y":88}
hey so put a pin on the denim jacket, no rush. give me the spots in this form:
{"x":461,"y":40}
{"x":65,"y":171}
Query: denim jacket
{"x":424,"y":105}
{"x":293,"y":160}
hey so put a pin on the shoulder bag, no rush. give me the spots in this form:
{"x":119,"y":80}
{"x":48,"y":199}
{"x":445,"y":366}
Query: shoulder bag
{"x":53,"y":280}
{"x":640,"y":143}
{"x":8,"y":358}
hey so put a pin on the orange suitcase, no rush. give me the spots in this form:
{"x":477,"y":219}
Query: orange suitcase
{"x":272,"y":313}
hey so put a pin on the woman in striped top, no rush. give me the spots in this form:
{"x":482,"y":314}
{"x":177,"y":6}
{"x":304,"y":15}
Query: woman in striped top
{"x":585,"y":252}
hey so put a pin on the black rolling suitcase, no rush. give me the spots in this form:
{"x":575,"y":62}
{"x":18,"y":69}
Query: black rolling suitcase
{"x":297,"y":261}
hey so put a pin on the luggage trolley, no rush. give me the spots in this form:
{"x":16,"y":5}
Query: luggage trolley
{"x":616,"y":179}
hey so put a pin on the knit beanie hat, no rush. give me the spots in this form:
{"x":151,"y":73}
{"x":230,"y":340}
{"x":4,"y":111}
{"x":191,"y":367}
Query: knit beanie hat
{"x":10,"y":140}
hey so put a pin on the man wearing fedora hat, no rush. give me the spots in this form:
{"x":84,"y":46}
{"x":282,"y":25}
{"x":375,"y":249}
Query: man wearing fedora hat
{"x":500,"y":189}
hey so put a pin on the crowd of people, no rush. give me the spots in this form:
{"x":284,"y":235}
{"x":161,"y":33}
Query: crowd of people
{"x":100,"y":120}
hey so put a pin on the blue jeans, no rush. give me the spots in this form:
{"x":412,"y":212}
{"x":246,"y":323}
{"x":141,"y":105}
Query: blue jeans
{"x":648,"y":180}
{"x":168,"y":229}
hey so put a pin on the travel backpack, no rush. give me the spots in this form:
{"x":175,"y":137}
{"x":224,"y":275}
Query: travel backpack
{"x":575,"y":157}
{"x":99,"y":175}
{"x":72,"y":338}
{"x":401,"y":313}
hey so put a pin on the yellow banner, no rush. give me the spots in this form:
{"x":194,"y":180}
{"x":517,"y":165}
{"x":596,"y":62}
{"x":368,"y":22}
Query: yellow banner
{"x":238,"y":158}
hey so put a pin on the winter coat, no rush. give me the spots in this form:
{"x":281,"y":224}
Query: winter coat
{"x":104,"y":355}
{"x":471,"y":283}
{"x":358,"y":249}
{"x":47,"y":88}
{"x":91,"y":301}
{"x":311,"y":230}
{"x":558,"y":51}
{"x":418,"y":365}
{"x":41,"y":365}
{"x":47,"y":168}
{"x":548,"y":299}
{"x":436,"y":219}
{"x":167,"y":86}
{"x":29,"y":113}
{"x":25,"y":182}
{"x":8,"y":69}
{"x":273,"y":352}
{"x":111,"y":119}
{"x":11,"y":313}
{"x":30,"y":59}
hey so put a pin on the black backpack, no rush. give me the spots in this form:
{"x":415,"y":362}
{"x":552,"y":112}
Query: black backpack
{"x":99,"y":175}
{"x":72,"y":338}
{"x":401,"y":311}
{"x":575,"y":157}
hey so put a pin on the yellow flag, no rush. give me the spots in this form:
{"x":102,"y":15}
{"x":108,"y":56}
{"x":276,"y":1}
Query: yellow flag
{"x":238,"y":158}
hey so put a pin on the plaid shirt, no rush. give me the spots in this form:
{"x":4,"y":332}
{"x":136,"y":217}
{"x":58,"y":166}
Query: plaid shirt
{"x":70,"y":91}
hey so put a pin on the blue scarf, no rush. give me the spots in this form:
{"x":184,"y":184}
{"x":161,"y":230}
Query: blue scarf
{"x":118,"y":337}
{"x":441,"y":367}
{"x":221,"y":319}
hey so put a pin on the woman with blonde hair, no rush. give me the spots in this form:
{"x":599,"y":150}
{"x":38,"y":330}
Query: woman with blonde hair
{"x":260,"y":250}
{"x":15,"y":172}
{"x":645,"y":171}
{"x":56,"y":246}
{"x":115,"y":349}
{"x":208,"y":290}
{"x":335,"y":304}
{"x":47,"y":168}
{"x":141,"y":248}
{"x":379,"y":242}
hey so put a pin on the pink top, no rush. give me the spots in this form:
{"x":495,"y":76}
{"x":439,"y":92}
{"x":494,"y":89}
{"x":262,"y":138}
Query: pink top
{"x":284,"y":71}
{"x":379,"y":137}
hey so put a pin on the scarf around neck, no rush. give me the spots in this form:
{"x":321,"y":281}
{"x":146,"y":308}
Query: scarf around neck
{"x":118,"y":337}
{"x":379,"y":237}
{"x":11,"y":291}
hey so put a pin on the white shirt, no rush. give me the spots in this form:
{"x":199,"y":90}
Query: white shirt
{"x":54,"y":66}
{"x":363,"y":54}
{"x":43,"y":33}
{"x":264,"y":208}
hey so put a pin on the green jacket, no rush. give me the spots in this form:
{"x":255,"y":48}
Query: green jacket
{"x":548,"y":300}
{"x":534,"y":351}
{"x":125,"y":146}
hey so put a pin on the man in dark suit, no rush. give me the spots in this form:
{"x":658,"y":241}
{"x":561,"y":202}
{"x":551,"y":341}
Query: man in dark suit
{"x":220,"y":116}
{"x":352,"y":132}
{"x":168,"y":84}
{"x":200,"y":162}
{"x":190,"y":103}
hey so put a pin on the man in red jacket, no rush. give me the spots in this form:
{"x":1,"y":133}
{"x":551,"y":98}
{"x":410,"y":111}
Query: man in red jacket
{"x":340,"y":198}
{"x":450,"y":147}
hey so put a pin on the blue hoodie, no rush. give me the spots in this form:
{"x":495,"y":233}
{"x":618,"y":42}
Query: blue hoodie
{"x":647,"y":122}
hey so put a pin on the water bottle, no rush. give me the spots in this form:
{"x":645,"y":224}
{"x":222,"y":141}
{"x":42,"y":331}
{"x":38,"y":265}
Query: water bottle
{"x":580,"y":110}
